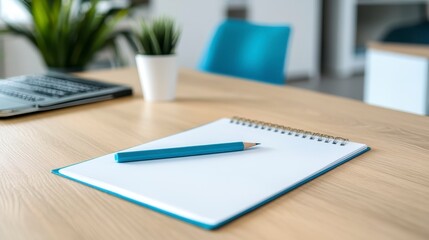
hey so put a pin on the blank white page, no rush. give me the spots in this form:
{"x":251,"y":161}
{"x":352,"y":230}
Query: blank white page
{"x":212,"y":189}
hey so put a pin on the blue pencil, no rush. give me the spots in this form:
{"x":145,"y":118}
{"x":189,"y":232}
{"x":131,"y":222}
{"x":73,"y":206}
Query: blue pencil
{"x":145,"y":155}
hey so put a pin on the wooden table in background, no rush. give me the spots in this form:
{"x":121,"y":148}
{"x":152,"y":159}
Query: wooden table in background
{"x":383,"y":194}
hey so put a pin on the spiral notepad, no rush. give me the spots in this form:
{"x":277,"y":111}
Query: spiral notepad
{"x":212,"y":190}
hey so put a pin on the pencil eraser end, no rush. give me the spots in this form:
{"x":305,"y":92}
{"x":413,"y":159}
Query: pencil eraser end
{"x":116,"y":157}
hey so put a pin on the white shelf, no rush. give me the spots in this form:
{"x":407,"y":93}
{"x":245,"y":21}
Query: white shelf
{"x":344,"y":29}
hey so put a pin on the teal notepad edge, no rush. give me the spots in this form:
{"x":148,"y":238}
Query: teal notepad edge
{"x":201,"y":224}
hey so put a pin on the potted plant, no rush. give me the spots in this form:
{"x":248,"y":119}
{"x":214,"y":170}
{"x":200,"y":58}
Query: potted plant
{"x":156,"y":59}
{"x":68,"y":34}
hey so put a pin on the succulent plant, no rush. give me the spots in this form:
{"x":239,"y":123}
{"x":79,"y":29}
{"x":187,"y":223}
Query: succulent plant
{"x":158,"y":37}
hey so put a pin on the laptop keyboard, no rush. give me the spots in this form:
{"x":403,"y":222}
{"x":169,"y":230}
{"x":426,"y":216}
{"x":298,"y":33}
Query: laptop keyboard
{"x":20,"y":95}
{"x":36,"y":88}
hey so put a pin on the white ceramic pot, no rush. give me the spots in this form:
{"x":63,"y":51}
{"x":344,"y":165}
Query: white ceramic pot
{"x":158,"y":76}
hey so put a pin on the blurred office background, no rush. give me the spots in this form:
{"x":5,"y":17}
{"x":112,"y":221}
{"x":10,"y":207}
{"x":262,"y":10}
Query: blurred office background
{"x":327,"y":49}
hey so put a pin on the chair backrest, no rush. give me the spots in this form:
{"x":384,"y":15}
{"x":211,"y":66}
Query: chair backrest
{"x":246,"y":50}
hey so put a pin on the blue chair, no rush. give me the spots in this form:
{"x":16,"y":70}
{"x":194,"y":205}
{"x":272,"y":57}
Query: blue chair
{"x":246,"y":50}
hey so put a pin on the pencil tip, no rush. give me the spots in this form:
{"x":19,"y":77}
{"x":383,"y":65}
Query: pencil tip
{"x":257,"y":143}
{"x":249,"y":145}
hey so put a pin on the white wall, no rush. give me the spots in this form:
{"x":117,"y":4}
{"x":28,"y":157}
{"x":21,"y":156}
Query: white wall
{"x":198,"y":19}
{"x":18,"y":55}
{"x":21,"y":57}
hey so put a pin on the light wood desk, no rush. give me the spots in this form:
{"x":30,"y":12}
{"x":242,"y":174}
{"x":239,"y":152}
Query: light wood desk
{"x":383,"y":194}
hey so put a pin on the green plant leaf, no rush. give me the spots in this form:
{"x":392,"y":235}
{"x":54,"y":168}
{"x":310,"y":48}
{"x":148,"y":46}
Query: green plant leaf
{"x":175,"y":40}
{"x":85,"y":23}
{"x":42,"y":28}
{"x":158,"y":38}
{"x":15,"y":29}
{"x":105,"y":31}
{"x":167,"y":39}
{"x":68,"y":34}
{"x":150,"y":40}
{"x":5,"y":30}
{"x":132,"y":40}
{"x":26,"y":4}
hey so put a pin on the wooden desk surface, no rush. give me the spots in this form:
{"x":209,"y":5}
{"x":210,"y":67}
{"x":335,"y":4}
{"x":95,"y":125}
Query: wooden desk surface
{"x":383,"y":194}
{"x":417,"y":50}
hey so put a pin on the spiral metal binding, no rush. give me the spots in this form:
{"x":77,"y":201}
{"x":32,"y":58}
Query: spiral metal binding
{"x":290,"y":131}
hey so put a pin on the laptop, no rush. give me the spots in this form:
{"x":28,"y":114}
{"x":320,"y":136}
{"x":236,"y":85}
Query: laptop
{"x":35,"y":93}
